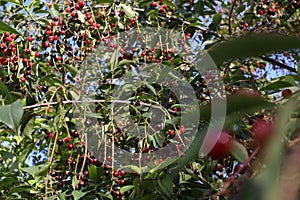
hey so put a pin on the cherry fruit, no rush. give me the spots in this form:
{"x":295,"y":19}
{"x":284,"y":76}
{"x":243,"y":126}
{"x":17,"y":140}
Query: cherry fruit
{"x":222,"y":145}
{"x":286,"y":93}
{"x":71,"y":146}
{"x":60,"y":141}
{"x":262,"y":130}
{"x":115,"y":173}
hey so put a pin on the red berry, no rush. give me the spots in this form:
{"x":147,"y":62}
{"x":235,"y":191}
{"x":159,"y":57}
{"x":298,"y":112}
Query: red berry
{"x":165,"y":6}
{"x":262,"y":130}
{"x":122,"y":173}
{"x":23,"y":79}
{"x":67,"y":139}
{"x":179,"y":146}
{"x":52,"y":136}
{"x":75,"y":134}
{"x":286,"y":93}
{"x":182,"y":129}
{"x":68,"y":10}
{"x":171,"y":133}
{"x":115,"y":173}
{"x":48,"y":32}
{"x":70,"y":146}
{"x":81,"y":3}
{"x":122,"y":182}
{"x":175,"y":109}
{"x":95,"y":161}
{"x":222,"y":144}
{"x":154,"y":4}
{"x":86,"y":174}
{"x":7,"y":34}
{"x":143,"y":54}
{"x":8,"y":39}
{"x":60,"y":141}
{"x":44,"y":88}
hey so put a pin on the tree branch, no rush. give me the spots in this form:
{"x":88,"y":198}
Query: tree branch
{"x":229,"y":18}
{"x":188,"y":23}
{"x":94,"y":101}
{"x":175,"y":19}
{"x":279,"y":64}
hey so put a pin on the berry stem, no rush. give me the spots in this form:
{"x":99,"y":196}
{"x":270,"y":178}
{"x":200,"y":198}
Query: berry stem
{"x":234,"y":176}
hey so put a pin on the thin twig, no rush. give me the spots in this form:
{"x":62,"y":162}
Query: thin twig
{"x":92,"y":101}
{"x":229,"y":18}
{"x":279,"y":64}
{"x":205,"y":30}
{"x":234,"y":176}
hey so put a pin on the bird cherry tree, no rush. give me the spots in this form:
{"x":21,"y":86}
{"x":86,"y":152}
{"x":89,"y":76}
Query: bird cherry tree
{"x":50,"y":49}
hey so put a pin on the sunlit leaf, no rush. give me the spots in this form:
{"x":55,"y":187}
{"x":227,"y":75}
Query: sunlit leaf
{"x":12,"y":114}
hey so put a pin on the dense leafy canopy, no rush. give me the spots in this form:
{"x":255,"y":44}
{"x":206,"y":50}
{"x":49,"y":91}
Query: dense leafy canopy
{"x":53,"y":54}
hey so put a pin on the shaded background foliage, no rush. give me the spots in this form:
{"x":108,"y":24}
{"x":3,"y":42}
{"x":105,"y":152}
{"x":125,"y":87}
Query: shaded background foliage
{"x":43,"y":44}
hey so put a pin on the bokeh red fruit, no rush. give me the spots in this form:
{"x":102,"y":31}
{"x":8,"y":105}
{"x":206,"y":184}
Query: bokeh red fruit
{"x":286,"y":93}
{"x":262,"y":130}
{"x":222,"y":145}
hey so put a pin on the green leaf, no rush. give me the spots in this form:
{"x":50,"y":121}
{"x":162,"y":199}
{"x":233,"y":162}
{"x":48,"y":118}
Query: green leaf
{"x":53,"y":12}
{"x":75,"y":181}
{"x":164,"y":164}
{"x":121,"y":26}
{"x":12,"y":97}
{"x":217,"y":18}
{"x":28,"y":147}
{"x":27,"y":123}
{"x":3,"y":89}
{"x":128,"y":11}
{"x":43,"y":169}
{"x":81,"y":16}
{"x":31,"y":170}
{"x":14,"y":1}
{"x":71,"y":69}
{"x":125,"y":62}
{"x":12,"y":114}
{"x":134,"y":168}
{"x":166,"y":184}
{"x":240,"y":9}
{"x":6,"y":28}
{"x":95,"y":173}
{"x":276,"y":85}
{"x":78,"y":194}
{"x":104,"y":1}
{"x":239,"y":151}
{"x":150,"y":87}
{"x":238,"y":106}
{"x":126,"y":188}
{"x":170,"y":3}
{"x":62,"y":195}
{"x":20,"y":188}
{"x":247,"y":46}
{"x":18,"y":139}
{"x":208,"y":42}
